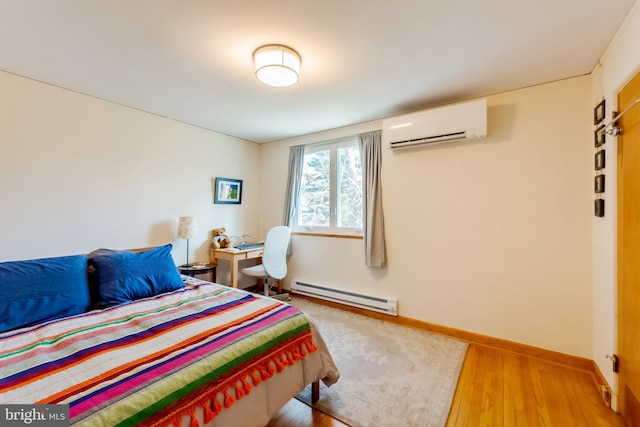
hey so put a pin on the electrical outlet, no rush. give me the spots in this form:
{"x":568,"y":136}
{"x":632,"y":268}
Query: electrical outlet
{"x":605,"y":392}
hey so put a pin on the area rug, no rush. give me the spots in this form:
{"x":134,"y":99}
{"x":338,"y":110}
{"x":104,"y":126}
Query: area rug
{"x":390,"y":375}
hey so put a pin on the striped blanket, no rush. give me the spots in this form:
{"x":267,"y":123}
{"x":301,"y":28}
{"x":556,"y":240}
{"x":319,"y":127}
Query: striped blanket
{"x":155,"y":360}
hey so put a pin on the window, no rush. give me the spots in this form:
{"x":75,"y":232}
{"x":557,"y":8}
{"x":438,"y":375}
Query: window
{"x":331,"y":188}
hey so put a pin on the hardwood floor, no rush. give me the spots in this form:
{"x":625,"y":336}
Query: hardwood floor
{"x":297,"y":414}
{"x":501,"y":388}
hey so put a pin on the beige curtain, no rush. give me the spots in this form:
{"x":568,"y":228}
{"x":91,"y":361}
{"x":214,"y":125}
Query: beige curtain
{"x":373,"y":218}
{"x":291,"y":200}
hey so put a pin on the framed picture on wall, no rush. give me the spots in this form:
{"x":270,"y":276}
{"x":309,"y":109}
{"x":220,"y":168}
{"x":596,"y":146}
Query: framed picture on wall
{"x":600,"y":160}
{"x":599,"y":207}
{"x":599,"y":184}
{"x":598,"y":113}
{"x":228,"y":191}
{"x":599,"y":136}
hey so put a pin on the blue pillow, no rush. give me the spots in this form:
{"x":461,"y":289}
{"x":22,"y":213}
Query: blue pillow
{"x":93,"y":278}
{"x":38,"y":290}
{"x":126,"y":276}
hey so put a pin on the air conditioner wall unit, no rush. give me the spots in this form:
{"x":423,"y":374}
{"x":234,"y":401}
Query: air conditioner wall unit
{"x":457,"y":122}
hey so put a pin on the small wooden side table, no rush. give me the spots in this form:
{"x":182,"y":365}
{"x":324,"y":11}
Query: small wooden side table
{"x":234,"y":256}
{"x":199,"y":269}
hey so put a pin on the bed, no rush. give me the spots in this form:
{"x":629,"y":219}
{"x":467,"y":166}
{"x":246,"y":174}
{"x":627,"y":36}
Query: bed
{"x":194,"y":353}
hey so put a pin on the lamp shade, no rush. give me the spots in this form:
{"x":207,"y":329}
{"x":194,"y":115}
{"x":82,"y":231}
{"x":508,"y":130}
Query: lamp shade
{"x":187,"y":227}
{"x":277,"y":66}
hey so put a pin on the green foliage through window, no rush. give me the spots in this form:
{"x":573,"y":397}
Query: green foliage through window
{"x":315,"y":190}
{"x":349,"y":187}
{"x":331,"y":187}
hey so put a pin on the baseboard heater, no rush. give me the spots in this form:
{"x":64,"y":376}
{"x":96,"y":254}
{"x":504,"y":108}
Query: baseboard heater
{"x":368,"y":302}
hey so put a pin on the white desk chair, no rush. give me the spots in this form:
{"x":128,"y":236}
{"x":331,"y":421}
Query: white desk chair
{"x":274,"y":259}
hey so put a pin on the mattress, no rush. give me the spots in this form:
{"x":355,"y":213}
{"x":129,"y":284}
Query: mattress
{"x":203,"y":355}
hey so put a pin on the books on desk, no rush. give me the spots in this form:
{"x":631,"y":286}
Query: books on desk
{"x":249,"y":246}
{"x":198,"y":266}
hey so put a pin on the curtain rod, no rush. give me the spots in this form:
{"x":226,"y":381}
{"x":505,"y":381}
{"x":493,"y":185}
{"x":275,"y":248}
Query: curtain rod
{"x":612,"y":130}
{"x":330,"y":141}
{"x":336,"y":140}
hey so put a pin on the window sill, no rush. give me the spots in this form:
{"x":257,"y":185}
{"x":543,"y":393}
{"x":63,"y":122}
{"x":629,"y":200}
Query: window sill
{"x":316,"y":234}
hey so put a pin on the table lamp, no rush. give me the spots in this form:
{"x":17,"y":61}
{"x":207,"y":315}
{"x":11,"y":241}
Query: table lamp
{"x":187,"y":229}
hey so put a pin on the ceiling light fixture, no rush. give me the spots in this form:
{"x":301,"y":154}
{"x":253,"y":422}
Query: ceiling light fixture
{"x":277,"y":65}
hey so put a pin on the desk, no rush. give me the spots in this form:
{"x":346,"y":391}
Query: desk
{"x":234,"y":257}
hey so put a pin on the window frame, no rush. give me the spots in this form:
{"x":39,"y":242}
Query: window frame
{"x":332,"y":229}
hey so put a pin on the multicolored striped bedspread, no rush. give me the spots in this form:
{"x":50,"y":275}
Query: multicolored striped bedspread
{"x":154,"y":360}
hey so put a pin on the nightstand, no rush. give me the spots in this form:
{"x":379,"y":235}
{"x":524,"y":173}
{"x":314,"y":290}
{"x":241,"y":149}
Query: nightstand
{"x":199,"y":269}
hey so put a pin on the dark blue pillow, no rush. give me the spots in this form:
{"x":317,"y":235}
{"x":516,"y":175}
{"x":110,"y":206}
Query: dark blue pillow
{"x":127,"y":276}
{"x":38,"y":290}
{"x":93,"y":277}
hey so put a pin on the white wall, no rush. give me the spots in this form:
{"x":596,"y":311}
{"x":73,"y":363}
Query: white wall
{"x":492,"y":237}
{"x":620,"y":62}
{"x":78,"y":173}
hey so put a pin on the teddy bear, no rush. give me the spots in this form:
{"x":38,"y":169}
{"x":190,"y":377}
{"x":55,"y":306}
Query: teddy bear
{"x":219,"y":240}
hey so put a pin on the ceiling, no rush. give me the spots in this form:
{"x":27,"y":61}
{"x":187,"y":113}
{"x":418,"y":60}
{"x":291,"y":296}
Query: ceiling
{"x":191,"y":60}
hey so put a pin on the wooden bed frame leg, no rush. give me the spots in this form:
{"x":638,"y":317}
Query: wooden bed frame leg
{"x":315,"y":391}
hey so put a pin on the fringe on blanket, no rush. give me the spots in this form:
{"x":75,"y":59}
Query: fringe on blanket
{"x":241,"y":383}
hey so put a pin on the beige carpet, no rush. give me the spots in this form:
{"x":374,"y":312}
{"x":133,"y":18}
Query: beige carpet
{"x":390,"y":375}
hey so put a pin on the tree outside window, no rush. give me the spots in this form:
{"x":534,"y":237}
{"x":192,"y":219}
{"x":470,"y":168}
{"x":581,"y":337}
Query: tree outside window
{"x":331,"y":188}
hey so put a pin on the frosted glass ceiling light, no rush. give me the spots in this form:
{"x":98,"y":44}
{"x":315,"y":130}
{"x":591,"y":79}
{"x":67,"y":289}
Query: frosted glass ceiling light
{"x":277,"y":65}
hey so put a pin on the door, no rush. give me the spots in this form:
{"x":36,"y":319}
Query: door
{"x":629,"y":255}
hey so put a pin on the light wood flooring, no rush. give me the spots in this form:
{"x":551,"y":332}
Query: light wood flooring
{"x":501,"y":388}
